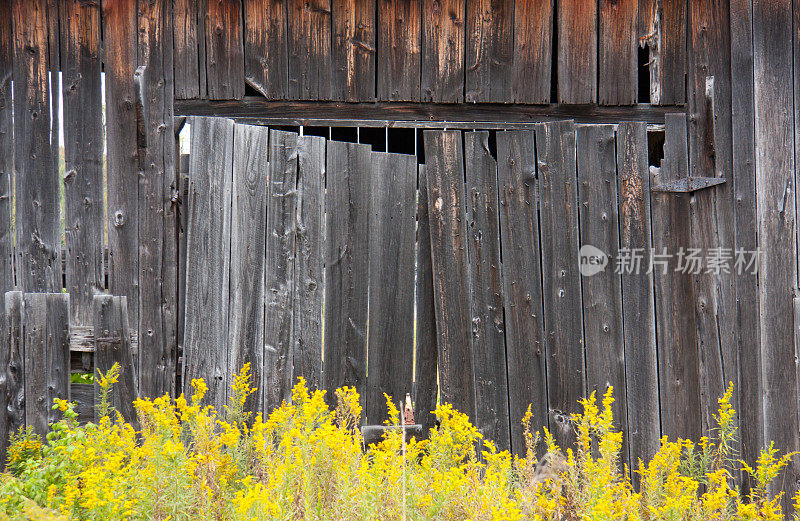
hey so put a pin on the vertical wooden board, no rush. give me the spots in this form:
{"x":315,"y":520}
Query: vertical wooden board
{"x":638,"y":315}
{"x":533,"y":55}
{"x":186,"y":17}
{"x":678,"y":362}
{"x":488,"y":326}
{"x":426,"y":388}
{"x":399,"y":41}
{"x":83,"y":151}
{"x":57,"y":347}
{"x":54,"y":14}
{"x":279,"y":281}
{"x":157,"y":222}
{"x":442,"y":51}
{"x":522,"y":282}
{"x":601,"y":288}
{"x":266,"y":67}
{"x":309,"y":282}
{"x":775,"y":217}
{"x":208,"y":242}
{"x":248,"y":247}
{"x":112,"y":344}
{"x":353,"y":50}
{"x":10,"y":379}
{"x":34,"y":339}
{"x":12,"y":370}
{"x":672,"y":52}
{"x":37,"y":205}
{"x":224,"y":52}
{"x":390,"y":340}
{"x":577,"y":51}
{"x":618,"y":55}
{"x":347,"y":204}
{"x":558,"y":189}
{"x":309,"y":24}
{"x":490,"y":50}
{"x":751,"y":408}
{"x":121,"y":55}
{"x":449,"y":254}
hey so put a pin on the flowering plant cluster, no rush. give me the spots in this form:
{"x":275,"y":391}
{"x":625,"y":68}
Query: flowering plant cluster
{"x":306,"y":461}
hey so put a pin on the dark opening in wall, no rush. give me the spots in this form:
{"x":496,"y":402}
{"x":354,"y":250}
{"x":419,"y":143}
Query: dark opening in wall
{"x":644,"y":74}
{"x":493,"y":143}
{"x":401,"y":140}
{"x":655,"y":147}
{"x":420,"y":147}
{"x":286,"y":128}
{"x":375,"y":136}
{"x":317,"y":131}
{"x":349,"y":134}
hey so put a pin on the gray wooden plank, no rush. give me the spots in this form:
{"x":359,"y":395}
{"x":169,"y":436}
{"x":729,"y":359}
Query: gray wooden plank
{"x":490,"y":50}
{"x":347,"y":205}
{"x":446,"y":206}
{"x":533,"y":54}
{"x":392,"y":220}
{"x":279,"y":281}
{"x":309,"y":282}
{"x":558,"y":210}
{"x":12,"y":370}
{"x":353,"y":47}
{"x":399,"y":41}
{"x":57,"y":347}
{"x":265,"y":47}
{"x":112,"y":344}
{"x":672,"y":53}
{"x":617,"y":52}
{"x":185,"y":18}
{"x":638,"y":315}
{"x":205,"y":345}
{"x":488,"y":326}
{"x":577,"y":51}
{"x":248,"y":248}
{"x":601,"y":290}
{"x":82,"y":395}
{"x":309,"y":29}
{"x":442,"y":51}
{"x":522,"y":282}
{"x":224,"y":49}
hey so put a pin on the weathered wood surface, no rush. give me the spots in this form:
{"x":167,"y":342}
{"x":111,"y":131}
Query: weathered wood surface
{"x":83,"y":396}
{"x":83,"y":153}
{"x":12,"y":370}
{"x":223,"y":49}
{"x":671,"y":53}
{"x":265,"y":47}
{"x":678,"y":361}
{"x":522,"y":274}
{"x":577,"y":51}
{"x":617,"y":52}
{"x":245,"y":343}
{"x":349,"y":171}
{"x":392,"y":220}
{"x":444,"y":168}
{"x":602,"y":291}
{"x":37,"y":211}
{"x":533,"y":56}
{"x":205,"y":345}
{"x":442,"y":50}
{"x":489,"y":50}
{"x":57,"y":349}
{"x":279,"y":281}
{"x":353,"y":50}
{"x":639,"y":338}
{"x":398,"y":50}
{"x":112,"y":345}
{"x":309,"y":282}
{"x":486,"y":283}
{"x":187,"y":38}
{"x":309,"y":48}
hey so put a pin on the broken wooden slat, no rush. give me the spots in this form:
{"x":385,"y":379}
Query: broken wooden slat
{"x":442,"y":51}
{"x":279,"y":281}
{"x":392,"y":221}
{"x":533,"y":40}
{"x":490,"y":50}
{"x":353,"y":50}
{"x":248,"y":244}
{"x":522,"y":282}
{"x":617,"y":56}
{"x":577,"y":51}
{"x":81,"y":339}
{"x":205,"y":345}
{"x":223,"y":49}
{"x":12,"y":370}
{"x":398,"y":53}
{"x":309,"y":48}
{"x":265,"y":47}
{"x":687,"y":184}
{"x":346,"y":266}
{"x":488,"y":327}
{"x":446,"y":206}
{"x":112,"y":345}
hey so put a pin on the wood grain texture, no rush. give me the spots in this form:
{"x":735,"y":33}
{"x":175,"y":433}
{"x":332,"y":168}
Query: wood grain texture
{"x":309,"y":23}
{"x":672,"y":51}
{"x":224,"y":49}
{"x":602,"y":292}
{"x":399,"y":42}
{"x":633,"y":180}
{"x":775,"y":217}
{"x":533,"y":56}
{"x":248,"y":247}
{"x":577,"y":51}
{"x":37,"y":211}
{"x":266,"y":64}
{"x":279,"y":282}
{"x":346,"y":266}
{"x":112,"y":345}
{"x":442,"y":51}
{"x":522,"y":282}
{"x":57,"y":349}
{"x":309,"y":281}
{"x":444,"y":168}
{"x":486,"y":283}
{"x":12,"y":377}
{"x":558,"y":210}
{"x":353,"y":50}
{"x":186,"y":35}
{"x":490,"y":50}
{"x":208,"y":243}
{"x":390,"y":342}
{"x":83,"y":153}
{"x":678,"y":361}
{"x":617,"y":52}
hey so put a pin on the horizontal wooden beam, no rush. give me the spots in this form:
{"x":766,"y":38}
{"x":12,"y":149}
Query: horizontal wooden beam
{"x":258,"y":111}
